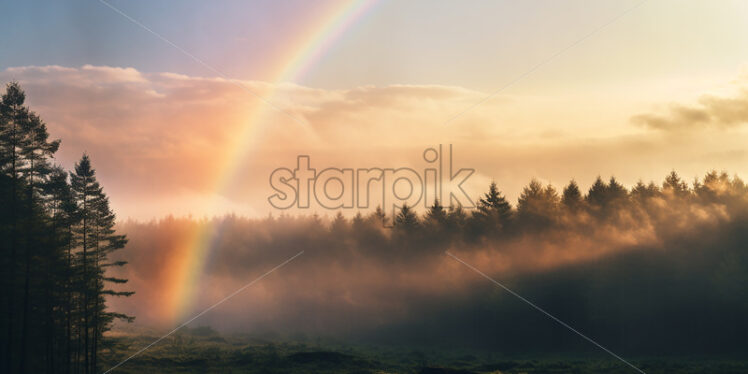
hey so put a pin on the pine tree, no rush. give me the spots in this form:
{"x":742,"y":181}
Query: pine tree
{"x":436,"y":214}
{"x":537,"y":205}
{"x":106,"y":241}
{"x":85,"y":189}
{"x":456,"y":218}
{"x":339,"y":225}
{"x":616,"y":192}
{"x":36,"y":152}
{"x":675,"y":187}
{"x":379,"y":217}
{"x":572,"y":197}
{"x":435,"y":225}
{"x":12,"y":140}
{"x":494,"y":211}
{"x":63,"y":214}
{"x":597,"y":194}
{"x":406,"y":220}
{"x":641,"y":192}
{"x":55,"y":238}
{"x":94,"y":232}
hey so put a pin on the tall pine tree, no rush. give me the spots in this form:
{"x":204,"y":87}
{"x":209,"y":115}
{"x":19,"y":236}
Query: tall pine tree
{"x":55,"y":239}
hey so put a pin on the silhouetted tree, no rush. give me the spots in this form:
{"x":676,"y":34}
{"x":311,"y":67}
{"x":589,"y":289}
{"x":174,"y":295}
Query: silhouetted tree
{"x":493,"y":212}
{"x":597,"y":195}
{"x":44,"y":281}
{"x":95,"y":234}
{"x":604,"y":199}
{"x":379,"y":216}
{"x":436,"y":215}
{"x":616,"y":192}
{"x":642,"y":193}
{"x":406,"y":220}
{"x":456,"y":220}
{"x":13,"y":139}
{"x":339,"y":224}
{"x":675,"y":187}
{"x":537,"y":206}
{"x":572,"y":197}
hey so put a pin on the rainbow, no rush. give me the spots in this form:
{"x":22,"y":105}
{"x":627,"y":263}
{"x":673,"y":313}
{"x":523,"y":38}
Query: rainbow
{"x":311,"y":45}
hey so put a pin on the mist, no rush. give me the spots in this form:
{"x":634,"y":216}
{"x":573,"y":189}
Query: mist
{"x":631,"y":267}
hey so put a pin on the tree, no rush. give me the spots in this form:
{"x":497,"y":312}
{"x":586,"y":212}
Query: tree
{"x":406,"y":220}
{"x":55,"y":238}
{"x":95,"y":234}
{"x":85,"y":190}
{"x":63,"y":211}
{"x":436,"y":215}
{"x":339,"y":225}
{"x":435,"y":225}
{"x":537,"y":206}
{"x":572,"y":197}
{"x":105,"y":241}
{"x":358,"y":223}
{"x":494,"y":211}
{"x":456,"y":219}
{"x":605,"y":199}
{"x":12,"y":140}
{"x":597,"y":195}
{"x":616,"y":192}
{"x":641,"y":193}
{"x":379,"y":216}
{"x":675,"y":187}
{"x":36,"y":151}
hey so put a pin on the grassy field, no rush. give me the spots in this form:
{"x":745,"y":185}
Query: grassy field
{"x":201,"y":350}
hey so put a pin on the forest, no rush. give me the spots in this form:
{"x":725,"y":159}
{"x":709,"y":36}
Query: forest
{"x":657,"y":269}
{"x":56,"y":235}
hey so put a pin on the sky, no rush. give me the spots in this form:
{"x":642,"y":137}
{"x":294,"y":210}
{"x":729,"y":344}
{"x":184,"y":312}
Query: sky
{"x":196,"y":120}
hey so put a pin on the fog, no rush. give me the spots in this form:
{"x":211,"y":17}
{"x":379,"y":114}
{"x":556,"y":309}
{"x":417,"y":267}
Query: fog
{"x":650,"y":269}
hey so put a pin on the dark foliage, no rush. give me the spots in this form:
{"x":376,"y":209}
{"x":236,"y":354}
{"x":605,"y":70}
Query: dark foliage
{"x":657,"y":269}
{"x":56,"y":232}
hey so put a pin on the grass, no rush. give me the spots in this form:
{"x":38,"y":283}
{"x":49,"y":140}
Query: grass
{"x":201,"y":350}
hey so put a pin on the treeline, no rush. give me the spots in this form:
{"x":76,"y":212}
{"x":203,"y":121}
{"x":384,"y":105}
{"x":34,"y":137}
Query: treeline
{"x":56,"y":233}
{"x":664,"y":208}
{"x":655,"y":268}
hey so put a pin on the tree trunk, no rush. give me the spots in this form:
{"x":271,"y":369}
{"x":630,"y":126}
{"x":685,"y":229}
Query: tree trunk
{"x":27,"y":270}
{"x":12,"y":264}
{"x":85,"y":280}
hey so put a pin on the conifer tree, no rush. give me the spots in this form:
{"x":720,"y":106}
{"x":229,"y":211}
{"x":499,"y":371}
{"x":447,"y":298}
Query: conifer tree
{"x":493,"y":211}
{"x":674,"y":186}
{"x":436,"y":214}
{"x":12,"y":140}
{"x":339,"y":225}
{"x":572,"y":197}
{"x":406,"y":220}
{"x":379,"y":216}
{"x":456,"y":218}
{"x":537,"y":205}
{"x":597,"y":194}
{"x":55,"y":238}
{"x":615,"y":192}
{"x":36,"y":151}
{"x":94,"y":233}
{"x":641,"y":193}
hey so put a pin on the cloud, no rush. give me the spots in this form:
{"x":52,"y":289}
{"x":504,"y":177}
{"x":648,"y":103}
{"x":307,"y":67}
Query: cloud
{"x":711,"y":112}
